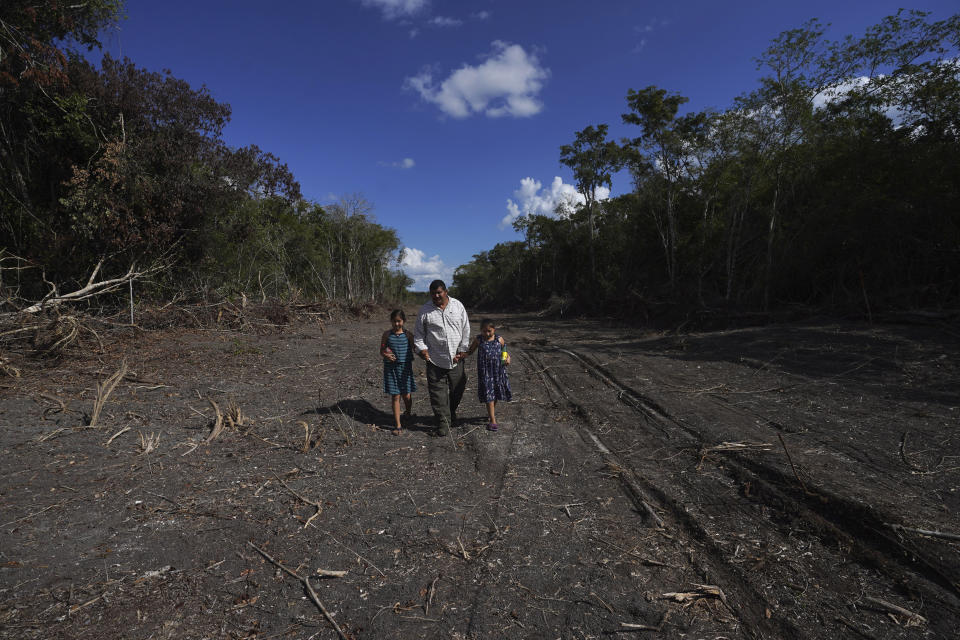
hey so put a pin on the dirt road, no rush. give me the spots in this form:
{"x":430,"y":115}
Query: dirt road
{"x":755,"y":483}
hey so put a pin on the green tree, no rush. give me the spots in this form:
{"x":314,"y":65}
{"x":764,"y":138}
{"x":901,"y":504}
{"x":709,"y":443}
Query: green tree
{"x":594,"y":160}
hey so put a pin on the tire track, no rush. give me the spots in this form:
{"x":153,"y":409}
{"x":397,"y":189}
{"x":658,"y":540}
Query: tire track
{"x":834,"y":520}
{"x":837,"y":515}
{"x":750,"y":610}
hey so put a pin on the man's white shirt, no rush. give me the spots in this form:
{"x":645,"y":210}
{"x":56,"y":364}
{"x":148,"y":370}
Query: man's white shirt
{"x":443,"y":332}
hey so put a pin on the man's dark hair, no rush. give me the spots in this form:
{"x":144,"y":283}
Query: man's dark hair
{"x":438,"y":284}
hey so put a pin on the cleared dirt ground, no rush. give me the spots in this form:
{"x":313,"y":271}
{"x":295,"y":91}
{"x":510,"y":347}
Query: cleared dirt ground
{"x":767,"y":482}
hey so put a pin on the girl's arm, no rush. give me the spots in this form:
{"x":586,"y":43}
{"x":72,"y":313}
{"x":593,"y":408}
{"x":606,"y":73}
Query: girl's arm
{"x":473,"y":345}
{"x":383,"y":347}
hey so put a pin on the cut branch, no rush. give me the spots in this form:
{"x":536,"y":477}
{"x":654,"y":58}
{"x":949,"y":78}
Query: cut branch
{"x":305,"y":581}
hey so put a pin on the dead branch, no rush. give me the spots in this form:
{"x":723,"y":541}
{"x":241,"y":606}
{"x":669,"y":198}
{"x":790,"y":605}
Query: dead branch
{"x":305,"y":581}
{"x":104,"y":390}
{"x":235,"y":417}
{"x":92,"y":288}
{"x":313,"y":503}
{"x":8,"y":369}
{"x":466,"y":556}
{"x":792,"y":466}
{"x":306,"y":436}
{"x":60,"y":408}
{"x":626,"y":626}
{"x":701,"y":591}
{"x":190,"y":444}
{"x":854,"y":628}
{"x":217,"y":423}
{"x":925,"y":532}
{"x":149,"y":443}
{"x":430,"y":592}
{"x":912,"y":618}
{"x":600,"y":600}
{"x":52,"y":338}
{"x":740,"y":446}
{"x":915,"y":469}
{"x":117,"y":434}
{"x":359,"y":557}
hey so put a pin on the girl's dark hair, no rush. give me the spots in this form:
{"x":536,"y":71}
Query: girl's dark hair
{"x":398,"y":313}
{"x":487,"y":322}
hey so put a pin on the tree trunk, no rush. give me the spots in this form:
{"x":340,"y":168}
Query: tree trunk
{"x":771,"y":231}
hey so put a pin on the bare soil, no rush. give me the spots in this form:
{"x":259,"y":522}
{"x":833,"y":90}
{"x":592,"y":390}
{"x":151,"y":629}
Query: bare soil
{"x":766,"y":482}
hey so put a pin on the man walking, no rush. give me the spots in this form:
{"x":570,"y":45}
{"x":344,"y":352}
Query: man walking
{"x":441,"y":337}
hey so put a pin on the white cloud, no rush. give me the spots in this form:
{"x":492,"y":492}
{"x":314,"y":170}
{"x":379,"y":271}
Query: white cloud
{"x":406,"y":163}
{"x":838,"y":90}
{"x":441,"y":21}
{"x":393,"y":9}
{"x":533,"y":199}
{"x":481,"y":15}
{"x":424,"y":269}
{"x":507,"y":83}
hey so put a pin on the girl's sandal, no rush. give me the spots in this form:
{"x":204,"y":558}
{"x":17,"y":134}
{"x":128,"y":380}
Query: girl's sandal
{"x":397,"y":432}
{"x":492,"y":426}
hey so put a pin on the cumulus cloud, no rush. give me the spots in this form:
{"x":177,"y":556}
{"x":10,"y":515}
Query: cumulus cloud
{"x":507,"y":83}
{"x":393,"y":9}
{"x":406,"y":163}
{"x":533,"y":199}
{"x":481,"y":15}
{"x":424,"y":269}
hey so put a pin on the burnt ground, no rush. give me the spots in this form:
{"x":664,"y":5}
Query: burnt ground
{"x":762,"y":482}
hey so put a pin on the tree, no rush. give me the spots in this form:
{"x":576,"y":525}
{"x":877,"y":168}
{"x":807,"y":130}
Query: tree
{"x":659,"y":159}
{"x":42,"y":123}
{"x":593,"y":160}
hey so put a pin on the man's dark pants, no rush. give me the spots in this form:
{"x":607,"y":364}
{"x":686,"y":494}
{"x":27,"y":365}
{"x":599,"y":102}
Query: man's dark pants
{"x":446,"y":390}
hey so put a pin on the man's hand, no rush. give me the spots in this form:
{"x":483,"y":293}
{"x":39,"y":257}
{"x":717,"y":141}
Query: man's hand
{"x":425,"y":355}
{"x":460,"y":356}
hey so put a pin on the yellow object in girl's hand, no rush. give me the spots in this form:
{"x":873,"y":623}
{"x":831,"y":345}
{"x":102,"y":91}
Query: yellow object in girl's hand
{"x":503,"y":356}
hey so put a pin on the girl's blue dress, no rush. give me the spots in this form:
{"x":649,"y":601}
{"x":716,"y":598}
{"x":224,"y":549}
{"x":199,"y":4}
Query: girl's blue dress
{"x":398,"y":375}
{"x":492,"y":381}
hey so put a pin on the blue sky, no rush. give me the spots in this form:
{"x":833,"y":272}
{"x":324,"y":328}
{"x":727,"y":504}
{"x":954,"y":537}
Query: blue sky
{"x":448,"y":116}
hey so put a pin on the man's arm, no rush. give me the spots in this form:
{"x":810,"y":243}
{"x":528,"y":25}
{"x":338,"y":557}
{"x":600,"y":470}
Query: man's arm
{"x":464,"y":332}
{"x":419,"y":337}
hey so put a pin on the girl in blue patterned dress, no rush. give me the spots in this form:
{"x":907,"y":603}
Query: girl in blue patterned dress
{"x":492,"y":361}
{"x":396,"y":348}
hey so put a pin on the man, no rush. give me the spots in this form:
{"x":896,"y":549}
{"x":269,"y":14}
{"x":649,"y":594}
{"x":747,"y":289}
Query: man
{"x":441,"y":337}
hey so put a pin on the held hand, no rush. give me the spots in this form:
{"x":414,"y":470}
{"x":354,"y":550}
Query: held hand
{"x":460,"y":356}
{"x":507,"y":361}
{"x":425,"y":355}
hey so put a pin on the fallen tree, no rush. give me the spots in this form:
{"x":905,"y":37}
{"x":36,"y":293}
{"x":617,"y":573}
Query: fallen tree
{"x":92,"y":288}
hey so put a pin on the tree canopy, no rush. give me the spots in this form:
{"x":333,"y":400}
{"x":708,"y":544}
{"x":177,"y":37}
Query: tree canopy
{"x":125,"y":164}
{"x":833,"y":184}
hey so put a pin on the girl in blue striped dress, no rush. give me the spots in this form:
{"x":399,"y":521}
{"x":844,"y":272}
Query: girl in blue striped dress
{"x":396,"y":348}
